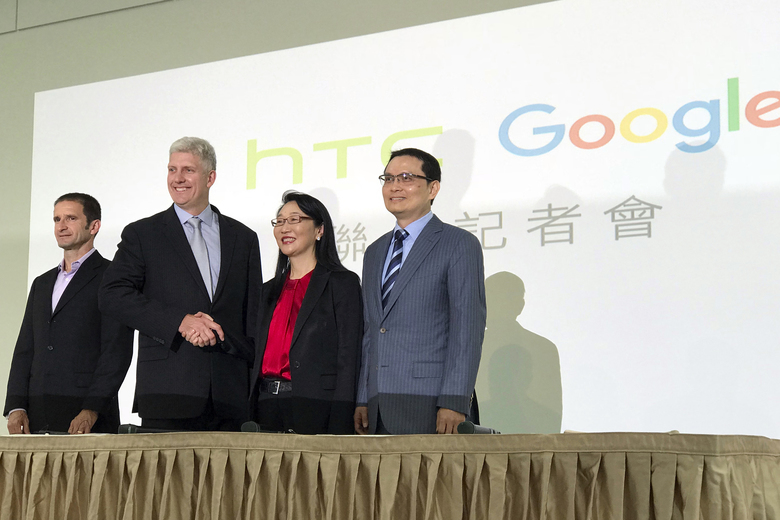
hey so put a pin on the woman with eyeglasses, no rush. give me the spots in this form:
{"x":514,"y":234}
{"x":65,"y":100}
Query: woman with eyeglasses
{"x":310,"y":328}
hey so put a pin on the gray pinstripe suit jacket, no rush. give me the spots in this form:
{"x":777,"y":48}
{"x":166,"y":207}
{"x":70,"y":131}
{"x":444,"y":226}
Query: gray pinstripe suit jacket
{"x":422,"y":351}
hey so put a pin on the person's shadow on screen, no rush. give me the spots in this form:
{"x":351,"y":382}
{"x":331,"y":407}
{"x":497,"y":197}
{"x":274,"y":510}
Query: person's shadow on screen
{"x":520,"y":370}
{"x":456,"y":147}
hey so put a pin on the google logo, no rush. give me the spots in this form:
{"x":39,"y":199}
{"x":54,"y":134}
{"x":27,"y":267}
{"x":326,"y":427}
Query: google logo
{"x":758,"y":106}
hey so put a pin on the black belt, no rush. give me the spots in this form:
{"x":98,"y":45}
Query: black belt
{"x":275,"y":386}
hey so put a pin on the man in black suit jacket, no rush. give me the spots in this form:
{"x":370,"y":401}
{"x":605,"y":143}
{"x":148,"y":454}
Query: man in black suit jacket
{"x":69,"y":361}
{"x":188,"y":271}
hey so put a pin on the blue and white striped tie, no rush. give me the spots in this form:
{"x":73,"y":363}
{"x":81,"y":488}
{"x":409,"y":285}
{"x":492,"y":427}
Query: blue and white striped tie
{"x":394,"y":266}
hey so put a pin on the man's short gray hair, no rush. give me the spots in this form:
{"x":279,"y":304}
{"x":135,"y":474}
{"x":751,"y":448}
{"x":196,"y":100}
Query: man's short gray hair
{"x":198,"y":147}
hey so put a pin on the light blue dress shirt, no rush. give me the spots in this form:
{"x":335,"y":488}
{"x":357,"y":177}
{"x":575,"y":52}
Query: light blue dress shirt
{"x":414,"y":229}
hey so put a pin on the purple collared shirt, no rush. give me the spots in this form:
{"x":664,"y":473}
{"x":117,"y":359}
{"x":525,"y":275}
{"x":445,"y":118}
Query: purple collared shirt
{"x":64,"y":278}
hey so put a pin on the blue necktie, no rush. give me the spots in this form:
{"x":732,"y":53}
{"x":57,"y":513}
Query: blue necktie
{"x":394,"y":266}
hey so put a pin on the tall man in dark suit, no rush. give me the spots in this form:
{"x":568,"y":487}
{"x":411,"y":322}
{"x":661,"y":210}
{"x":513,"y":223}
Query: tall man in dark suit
{"x":424,"y":309}
{"x":188,"y":279}
{"x":69,"y":361}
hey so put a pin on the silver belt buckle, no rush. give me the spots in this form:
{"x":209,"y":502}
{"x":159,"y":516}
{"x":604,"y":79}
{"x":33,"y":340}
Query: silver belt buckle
{"x":274,"y":388}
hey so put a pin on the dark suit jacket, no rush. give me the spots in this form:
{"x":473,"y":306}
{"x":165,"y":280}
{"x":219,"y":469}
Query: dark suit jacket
{"x":422,"y":350}
{"x":71,"y":359}
{"x":324,"y":353}
{"x":153,"y":283}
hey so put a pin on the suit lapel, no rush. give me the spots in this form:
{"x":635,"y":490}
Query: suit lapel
{"x":174,"y":231}
{"x":421,"y":248}
{"x":378,"y":272}
{"x":43,"y":304}
{"x":227,"y":242}
{"x":319,"y":279}
{"x":267,"y":308}
{"x":83,"y":276}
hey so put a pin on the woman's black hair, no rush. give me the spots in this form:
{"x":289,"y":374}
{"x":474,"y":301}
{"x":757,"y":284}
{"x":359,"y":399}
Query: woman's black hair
{"x":325,"y":250}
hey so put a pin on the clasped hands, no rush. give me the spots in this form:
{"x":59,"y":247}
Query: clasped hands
{"x":201,"y":330}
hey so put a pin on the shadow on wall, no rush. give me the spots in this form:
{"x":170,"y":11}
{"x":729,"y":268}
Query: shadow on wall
{"x":520,"y":373}
{"x":456,"y":147}
{"x":695,"y":177}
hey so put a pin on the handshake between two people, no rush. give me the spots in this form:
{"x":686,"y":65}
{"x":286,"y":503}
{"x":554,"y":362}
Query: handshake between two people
{"x":201,"y":330}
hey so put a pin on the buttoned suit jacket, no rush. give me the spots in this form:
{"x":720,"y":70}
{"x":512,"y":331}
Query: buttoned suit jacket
{"x":153,"y":283}
{"x":70,"y":359}
{"x":324,"y":351}
{"x":422,"y":351}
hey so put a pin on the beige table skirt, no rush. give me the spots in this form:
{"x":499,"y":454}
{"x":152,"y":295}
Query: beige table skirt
{"x":267,"y":476}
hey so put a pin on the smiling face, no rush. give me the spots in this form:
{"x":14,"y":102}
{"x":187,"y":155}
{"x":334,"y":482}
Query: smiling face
{"x":408,"y":202}
{"x":189,"y":182}
{"x":71,"y":229}
{"x":296,"y":239}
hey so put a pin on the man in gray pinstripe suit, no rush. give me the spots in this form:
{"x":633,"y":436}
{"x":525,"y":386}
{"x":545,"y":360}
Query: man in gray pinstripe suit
{"x":424,"y":309}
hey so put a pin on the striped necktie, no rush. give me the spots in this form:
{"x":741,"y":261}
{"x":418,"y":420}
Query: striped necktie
{"x":394,"y":266}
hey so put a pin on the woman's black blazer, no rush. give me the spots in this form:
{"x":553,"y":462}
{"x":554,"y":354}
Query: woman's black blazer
{"x":324,"y":353}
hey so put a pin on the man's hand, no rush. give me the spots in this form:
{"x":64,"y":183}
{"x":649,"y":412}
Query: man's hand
{"x":18,"y":422}
{"x":83,"y":422}
{"x":447,"y":420}
{"x":361,"y":420}
{"x":199,"y":330}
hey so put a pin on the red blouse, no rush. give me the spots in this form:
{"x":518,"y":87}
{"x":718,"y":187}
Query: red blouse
{"x":276,"y":360}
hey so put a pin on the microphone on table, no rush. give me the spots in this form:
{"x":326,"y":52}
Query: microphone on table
{"x":250,"y":427}
{"x":253,"y":427}
{"x":468,"y":427}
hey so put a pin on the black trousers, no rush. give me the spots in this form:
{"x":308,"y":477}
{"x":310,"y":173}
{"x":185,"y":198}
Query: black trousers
{"x":274,"y":413}
{"x":208,"y":421}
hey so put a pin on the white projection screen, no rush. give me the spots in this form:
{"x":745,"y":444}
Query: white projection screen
{"x":620,"y":161}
